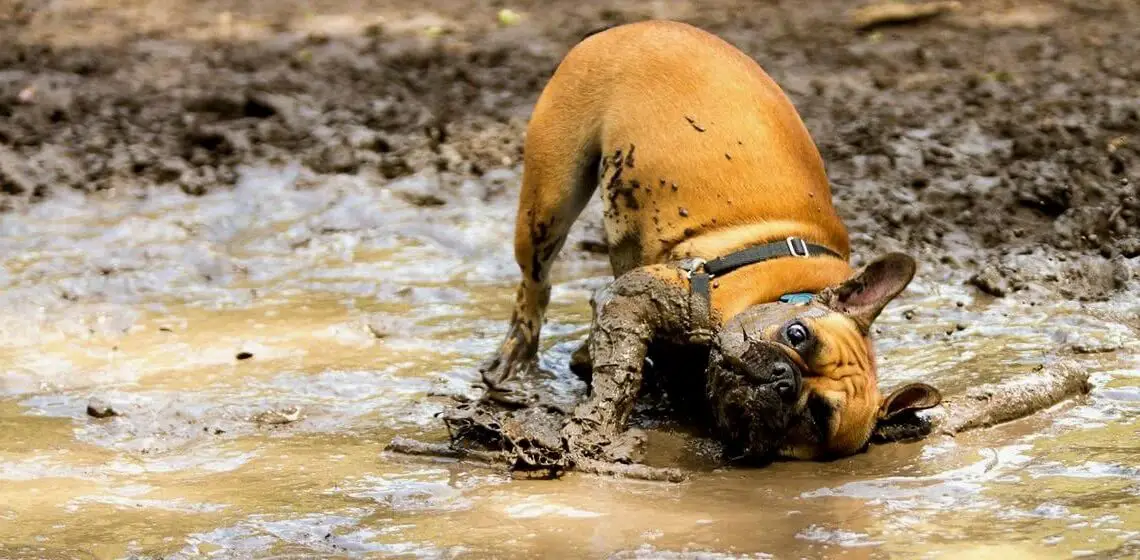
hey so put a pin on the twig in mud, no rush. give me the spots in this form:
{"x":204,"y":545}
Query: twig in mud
{"x":991,"y":404}
{"x":408,"y":446}
{"x":631,"y":471}
{"x":889,"y":13}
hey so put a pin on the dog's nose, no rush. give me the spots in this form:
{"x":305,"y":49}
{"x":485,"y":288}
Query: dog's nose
{"x":785,"y":381}
{"x":767,"y":366}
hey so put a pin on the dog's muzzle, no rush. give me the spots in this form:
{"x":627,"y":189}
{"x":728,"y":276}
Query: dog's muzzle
{"x":765,"y":366}
{"x":754,"y":394}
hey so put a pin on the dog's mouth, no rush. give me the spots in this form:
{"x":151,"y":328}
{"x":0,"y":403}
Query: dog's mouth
{"x":809,"y":429}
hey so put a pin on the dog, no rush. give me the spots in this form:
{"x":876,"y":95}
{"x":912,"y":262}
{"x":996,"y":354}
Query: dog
{"x":722,"y":238}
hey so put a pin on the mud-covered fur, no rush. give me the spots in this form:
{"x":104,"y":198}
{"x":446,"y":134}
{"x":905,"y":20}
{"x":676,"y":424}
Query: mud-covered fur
{"x":750,"y":419}
{"x":697,"y":153}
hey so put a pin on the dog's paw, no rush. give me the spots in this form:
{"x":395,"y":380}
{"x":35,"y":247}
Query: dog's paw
{"x":586,"y":443}
{"x":498,"y":370}
{"x":515,"y":358}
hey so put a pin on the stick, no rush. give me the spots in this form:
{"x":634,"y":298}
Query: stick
{"x":991,"y":404}
{"x":408,"y":446}
{"x":633,"y":471}
{"x":897,"y":12}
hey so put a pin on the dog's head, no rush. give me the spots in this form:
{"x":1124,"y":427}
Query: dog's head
{"x":799,"y":380}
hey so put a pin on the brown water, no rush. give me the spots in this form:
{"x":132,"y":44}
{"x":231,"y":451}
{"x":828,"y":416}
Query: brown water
{"x":146,"y":303}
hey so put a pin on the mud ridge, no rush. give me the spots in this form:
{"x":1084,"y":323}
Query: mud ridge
{"x":976,"y":138}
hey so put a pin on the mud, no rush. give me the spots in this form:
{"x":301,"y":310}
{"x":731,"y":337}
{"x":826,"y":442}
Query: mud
{"x":1020,"y":110}
{"x":641,"y":310}
{"x":649,"y":308}
{"x":530,"y":442}
{"x":330,"y":188}
{"x":146,"y":305}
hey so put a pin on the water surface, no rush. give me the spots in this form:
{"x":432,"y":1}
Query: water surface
{"x":361,"y":309}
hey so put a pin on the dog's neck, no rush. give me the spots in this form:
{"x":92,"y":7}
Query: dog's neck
{"x":766,"y":281}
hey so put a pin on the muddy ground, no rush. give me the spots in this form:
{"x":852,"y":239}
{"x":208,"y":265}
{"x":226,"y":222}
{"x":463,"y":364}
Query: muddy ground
{"x":263,"y":330}
{"x":1002,"y":140}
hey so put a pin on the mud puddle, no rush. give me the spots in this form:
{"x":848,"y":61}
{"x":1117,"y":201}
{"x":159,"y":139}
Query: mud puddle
{"x":351,"y":308}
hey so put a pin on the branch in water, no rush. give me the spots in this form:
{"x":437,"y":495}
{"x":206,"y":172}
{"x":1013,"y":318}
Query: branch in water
{"x":991,"y":404}
{"x":408,"y":446}
{"x":634,"y":471}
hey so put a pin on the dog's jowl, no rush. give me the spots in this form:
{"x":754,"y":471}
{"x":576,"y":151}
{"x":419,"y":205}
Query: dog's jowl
{"x":722,"y":237}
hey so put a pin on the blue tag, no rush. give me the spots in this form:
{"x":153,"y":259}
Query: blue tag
{"x":797,"y":299}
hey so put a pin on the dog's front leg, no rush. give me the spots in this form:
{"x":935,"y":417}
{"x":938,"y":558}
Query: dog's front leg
{"x":618,"y":345}
{"x":560,"y":172}
{"x":646,"y":304}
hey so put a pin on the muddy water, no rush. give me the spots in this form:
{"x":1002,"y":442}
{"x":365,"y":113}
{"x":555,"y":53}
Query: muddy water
{"x":360,"y":309}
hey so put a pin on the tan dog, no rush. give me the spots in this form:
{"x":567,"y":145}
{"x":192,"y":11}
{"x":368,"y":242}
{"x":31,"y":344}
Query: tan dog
{"x":700,"y":155}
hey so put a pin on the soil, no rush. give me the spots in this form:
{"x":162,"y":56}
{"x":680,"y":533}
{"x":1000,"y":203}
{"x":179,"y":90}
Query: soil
{"x":258,"y":344}
{"x":528,"y":439}
{"x":1002,"y":139}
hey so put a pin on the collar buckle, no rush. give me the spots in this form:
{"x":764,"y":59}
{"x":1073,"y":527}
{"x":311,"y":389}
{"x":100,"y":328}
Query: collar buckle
{"x":798,"y":247}
{"x":691,"y":265}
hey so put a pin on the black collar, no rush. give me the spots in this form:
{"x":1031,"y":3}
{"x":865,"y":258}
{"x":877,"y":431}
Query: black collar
{"x":701,"y":272}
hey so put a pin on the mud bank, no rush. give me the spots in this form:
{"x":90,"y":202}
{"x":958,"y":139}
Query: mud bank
{"x":1002,"y":139}
{"x":329,"y":192}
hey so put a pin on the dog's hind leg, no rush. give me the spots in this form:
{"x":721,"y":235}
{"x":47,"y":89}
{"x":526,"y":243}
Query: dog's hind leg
{"x":560,"y":173}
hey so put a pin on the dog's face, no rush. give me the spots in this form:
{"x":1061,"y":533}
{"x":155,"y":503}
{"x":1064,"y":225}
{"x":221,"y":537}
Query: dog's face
{"x":827,"y":343}
{"x":753,"y":388}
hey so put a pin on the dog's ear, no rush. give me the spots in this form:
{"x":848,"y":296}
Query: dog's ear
{"x":863,"y":296}
{"x":912,"y":396}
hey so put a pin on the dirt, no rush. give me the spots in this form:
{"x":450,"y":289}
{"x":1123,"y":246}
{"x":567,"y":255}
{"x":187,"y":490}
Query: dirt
{"x":996,"y":138}
{"x":528,"y":440}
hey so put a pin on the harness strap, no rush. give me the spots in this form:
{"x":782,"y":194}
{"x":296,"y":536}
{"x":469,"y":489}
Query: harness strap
{"x":701,"y":272}
{"x":790,"y":247}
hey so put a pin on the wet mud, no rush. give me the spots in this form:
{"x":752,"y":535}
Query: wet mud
{"x":244,"y":246}
{"x":531,"y":441}
{"x":1015,"y":109}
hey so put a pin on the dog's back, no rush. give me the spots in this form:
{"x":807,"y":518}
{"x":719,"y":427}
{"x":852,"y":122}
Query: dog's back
{"x":700,"y":153}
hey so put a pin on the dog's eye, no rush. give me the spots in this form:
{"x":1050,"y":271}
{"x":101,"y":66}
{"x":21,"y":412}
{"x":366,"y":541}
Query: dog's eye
{"x":797,"y":334}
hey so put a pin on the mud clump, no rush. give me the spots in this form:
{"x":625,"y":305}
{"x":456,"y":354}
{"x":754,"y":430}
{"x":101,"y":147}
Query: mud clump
{"x":928,"y":146}
{"x":530,"y":438}
{"x":277,"y":416}
{"x":991,"y":281}
{"x":98,"y":408}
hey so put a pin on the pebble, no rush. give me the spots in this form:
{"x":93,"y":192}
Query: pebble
{"x":98,"y":408}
